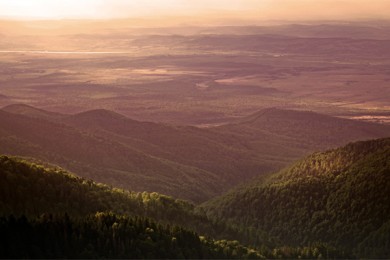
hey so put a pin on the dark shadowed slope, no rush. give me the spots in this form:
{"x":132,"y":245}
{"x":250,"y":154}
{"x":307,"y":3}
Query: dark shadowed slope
{"x":22,"y":109}
{"x":340,"y":197}
{"x":68,"y":224}
{"x":135,"y":155}
{"x":103,"y":159}
{"x":108,"y":236}
{"x":71,"y":225}
{"x":33,"y":188}
{"x":215,"y":152}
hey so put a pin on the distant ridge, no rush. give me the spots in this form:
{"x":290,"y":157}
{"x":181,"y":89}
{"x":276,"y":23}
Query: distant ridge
{"x":183,"y":161}
{"x":99,"y":114}
{"x":96,"y":118}
{"x":103,"y":158}
{"x":311,"y":128}
{"x":30,"y":111}
{"x":274,"y":112}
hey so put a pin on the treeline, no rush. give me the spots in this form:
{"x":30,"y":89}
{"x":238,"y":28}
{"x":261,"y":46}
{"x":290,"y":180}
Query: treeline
{"x":31,"y":189}
{"x":106,"y":235}
{"x":340,"y":198}
{"x":329,"y":205}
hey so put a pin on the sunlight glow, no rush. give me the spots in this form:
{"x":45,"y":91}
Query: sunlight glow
{"x":58,"y":9}
{"x":242,"y":9}
{"x":50,"y":9}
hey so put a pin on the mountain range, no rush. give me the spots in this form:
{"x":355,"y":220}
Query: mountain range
{"x":182,"y":161}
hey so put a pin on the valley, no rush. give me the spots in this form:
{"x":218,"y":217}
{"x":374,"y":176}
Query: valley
{"x":314,"y":208}
{"x":187,"y":162}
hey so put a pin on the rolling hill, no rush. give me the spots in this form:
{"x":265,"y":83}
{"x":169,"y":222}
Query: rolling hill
{"x":49,"y":213}
{"x":302,"y":130}
{"x":33,"y":188}
{"x":339,"y":197}
{"x":183,"y":161}
{"x":105,"y":235}
{"x":102,"y":159}
{"x":21,"y":109}
{"x":332,"y":204}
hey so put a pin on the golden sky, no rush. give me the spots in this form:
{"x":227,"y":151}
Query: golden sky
{"x":223,"y":9}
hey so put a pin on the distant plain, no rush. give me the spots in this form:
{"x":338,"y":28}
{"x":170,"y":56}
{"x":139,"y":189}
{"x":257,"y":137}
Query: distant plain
{"x":201,"y":76}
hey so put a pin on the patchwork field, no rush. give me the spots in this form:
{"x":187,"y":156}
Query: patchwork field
{"x":201,"y":78}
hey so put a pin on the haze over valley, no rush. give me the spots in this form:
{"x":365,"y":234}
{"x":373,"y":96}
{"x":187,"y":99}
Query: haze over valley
{"x":200,"y":76}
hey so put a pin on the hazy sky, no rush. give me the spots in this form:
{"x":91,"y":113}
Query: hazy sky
{"x":223,"y":9}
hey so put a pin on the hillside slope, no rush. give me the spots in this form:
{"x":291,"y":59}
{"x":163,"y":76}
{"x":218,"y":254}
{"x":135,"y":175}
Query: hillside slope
{"x":182,"y":161}
{"x":340,"y":197}
{"x":103,"y":159}
{"x":68,"y":225}
{"x":200,"y":148}
{"x":106,"y":235}
{"x":58,"y":215}
{"x":292,"y":130}
{"x":33,"y":188}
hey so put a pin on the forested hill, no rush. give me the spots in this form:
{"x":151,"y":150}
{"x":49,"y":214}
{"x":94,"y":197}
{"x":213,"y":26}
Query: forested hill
{"x":106,"y":235}
{"x":340,"y":197}
{"x":32,"y":189}
{"x":332,"y":204}
{"x":46,"y":212}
